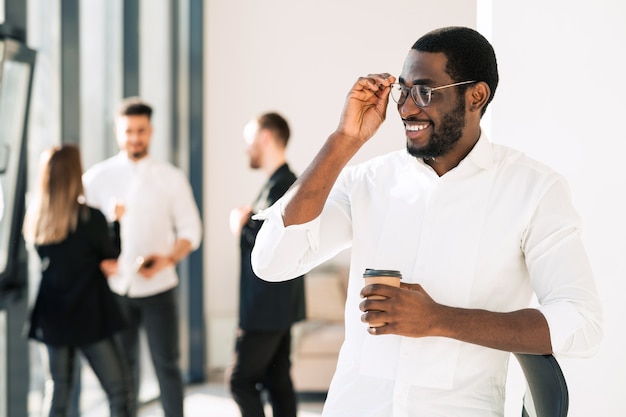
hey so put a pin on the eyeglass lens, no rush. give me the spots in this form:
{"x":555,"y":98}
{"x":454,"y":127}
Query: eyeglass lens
{"x":420,"y":93}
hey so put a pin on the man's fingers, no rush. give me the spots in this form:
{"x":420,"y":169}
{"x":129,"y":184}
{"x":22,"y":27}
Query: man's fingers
{"x":375,"y":82}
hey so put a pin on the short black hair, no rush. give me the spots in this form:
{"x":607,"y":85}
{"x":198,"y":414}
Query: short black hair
{"x":276,"y":124}
{"x":134,"y":106}
{"x":470,"y":55}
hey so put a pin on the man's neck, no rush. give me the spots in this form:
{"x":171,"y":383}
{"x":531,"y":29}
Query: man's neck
{"x":451,"y":159}
{"x":270,"y":167}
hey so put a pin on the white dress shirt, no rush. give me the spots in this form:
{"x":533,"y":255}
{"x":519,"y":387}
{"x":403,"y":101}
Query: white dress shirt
{"x":160,"y":209}
{"x":485,"y":235}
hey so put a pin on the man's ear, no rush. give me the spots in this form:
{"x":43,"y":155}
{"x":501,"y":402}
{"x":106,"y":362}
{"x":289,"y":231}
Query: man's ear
{"x":479,"y":94}
{"x":264,"y":136}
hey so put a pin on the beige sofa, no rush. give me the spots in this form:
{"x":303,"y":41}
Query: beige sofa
{"x":318,"y":339}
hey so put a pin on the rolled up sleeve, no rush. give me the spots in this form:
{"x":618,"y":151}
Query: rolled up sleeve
{"x":561,"y":275}
{"x":281,"y":253}
{"x":278,"y":250}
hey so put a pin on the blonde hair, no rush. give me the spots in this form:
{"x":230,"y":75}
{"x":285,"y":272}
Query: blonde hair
{"x":56,"y":205}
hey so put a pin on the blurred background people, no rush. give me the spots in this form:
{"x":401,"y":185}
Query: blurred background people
{"x":75,"y":310}
{"x":161,"y":226}
{"x":266,"y":310}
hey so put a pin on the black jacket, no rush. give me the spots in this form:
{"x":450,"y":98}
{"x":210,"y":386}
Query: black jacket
{"x":267,"y":306}
{"x":74,"y":305}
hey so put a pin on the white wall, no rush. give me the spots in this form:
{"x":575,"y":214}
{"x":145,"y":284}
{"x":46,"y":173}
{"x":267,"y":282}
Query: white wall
{"x":560,"y":99}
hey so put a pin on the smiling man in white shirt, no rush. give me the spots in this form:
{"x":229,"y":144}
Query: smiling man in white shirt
{"x":475,"y":229}
{"x":160,"y":227}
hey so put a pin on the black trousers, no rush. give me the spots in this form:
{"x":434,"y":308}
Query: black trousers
{"x":158,"y":314}
{"x":107,"y":363}
{"x":262,"y":362}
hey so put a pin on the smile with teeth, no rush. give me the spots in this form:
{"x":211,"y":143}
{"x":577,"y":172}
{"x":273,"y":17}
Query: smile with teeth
{"x":416,"y":128}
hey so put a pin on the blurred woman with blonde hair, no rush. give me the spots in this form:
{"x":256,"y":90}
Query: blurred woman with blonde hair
{"x":75,"y":309}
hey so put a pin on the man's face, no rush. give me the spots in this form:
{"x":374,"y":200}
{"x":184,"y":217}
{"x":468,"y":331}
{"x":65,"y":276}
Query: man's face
{"x":434,"y":130}
{"x":252,"y":137}
{"x":133,"y":135}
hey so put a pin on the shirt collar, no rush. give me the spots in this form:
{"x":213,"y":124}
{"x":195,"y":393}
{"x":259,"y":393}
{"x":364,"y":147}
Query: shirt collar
{"x":123,"y":158}
{"x":280,"y":171}
{"x":480,"y":157}
{"x":482,"y":153}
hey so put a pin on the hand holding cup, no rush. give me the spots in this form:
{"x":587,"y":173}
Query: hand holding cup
{"x":381,"y":276}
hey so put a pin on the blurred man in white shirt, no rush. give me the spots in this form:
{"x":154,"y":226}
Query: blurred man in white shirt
{"x":161,"y":226}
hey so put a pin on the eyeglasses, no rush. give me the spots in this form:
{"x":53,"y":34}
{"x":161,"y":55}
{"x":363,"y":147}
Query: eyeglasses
{"x":421,"y":94}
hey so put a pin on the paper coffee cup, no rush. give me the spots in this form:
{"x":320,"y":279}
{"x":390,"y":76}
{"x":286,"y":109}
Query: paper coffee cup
{"x":381,"y":276}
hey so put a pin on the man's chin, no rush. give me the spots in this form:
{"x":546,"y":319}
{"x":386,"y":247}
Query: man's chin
{"x":138,"y":154}
{"x":433,"y":149}
{"x":419,"y":152}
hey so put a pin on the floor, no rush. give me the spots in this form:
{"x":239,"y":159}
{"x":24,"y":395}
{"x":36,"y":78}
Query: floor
{"x":209,"y":399}
{"x":213,"y":399}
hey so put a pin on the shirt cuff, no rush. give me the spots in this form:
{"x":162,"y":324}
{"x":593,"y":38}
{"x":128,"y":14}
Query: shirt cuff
{"x":275,"y":217}
{"x":563,"y":321}
{"x":279,"y":251}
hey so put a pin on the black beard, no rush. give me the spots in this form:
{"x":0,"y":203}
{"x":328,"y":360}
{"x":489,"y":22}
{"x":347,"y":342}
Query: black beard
{"x":140,"y":154}
{"x":443,"y":139}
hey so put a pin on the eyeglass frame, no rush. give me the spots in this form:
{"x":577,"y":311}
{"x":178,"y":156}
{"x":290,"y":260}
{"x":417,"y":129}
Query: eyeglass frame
{"x":429,"y":89}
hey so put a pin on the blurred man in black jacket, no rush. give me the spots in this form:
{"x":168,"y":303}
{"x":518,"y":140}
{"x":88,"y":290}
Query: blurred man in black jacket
{"x":266,"y":310}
